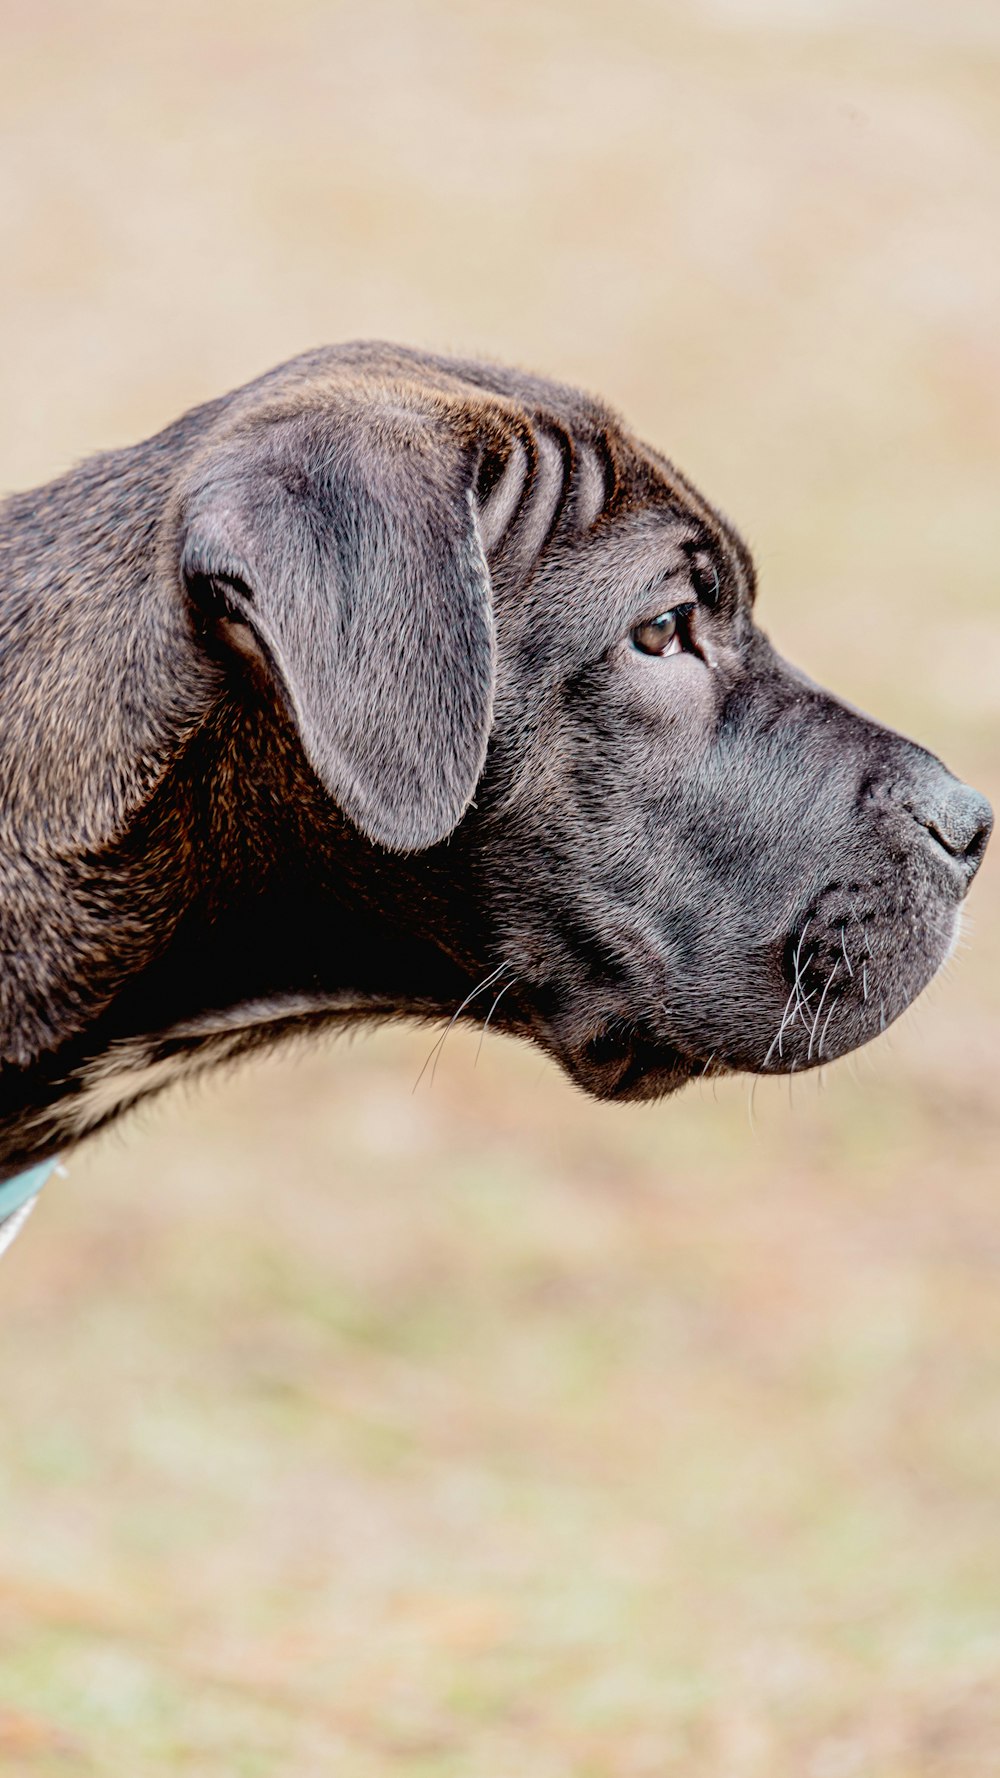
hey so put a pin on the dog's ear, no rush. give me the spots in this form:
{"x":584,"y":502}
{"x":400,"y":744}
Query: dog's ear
{"x":349,"y":546}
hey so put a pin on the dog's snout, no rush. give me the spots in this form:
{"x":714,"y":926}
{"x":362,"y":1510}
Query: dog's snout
{"x":958,"y":819}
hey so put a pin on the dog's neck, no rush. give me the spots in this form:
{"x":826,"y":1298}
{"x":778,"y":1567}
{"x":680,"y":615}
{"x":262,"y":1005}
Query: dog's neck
{"x":223,"y":981}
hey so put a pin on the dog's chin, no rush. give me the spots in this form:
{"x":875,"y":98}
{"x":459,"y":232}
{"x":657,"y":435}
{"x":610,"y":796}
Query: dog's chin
{"x":628,"y":1067}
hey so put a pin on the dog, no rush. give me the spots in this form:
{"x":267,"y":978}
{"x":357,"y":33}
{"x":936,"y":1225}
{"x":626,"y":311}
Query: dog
{"x":395,"y":685}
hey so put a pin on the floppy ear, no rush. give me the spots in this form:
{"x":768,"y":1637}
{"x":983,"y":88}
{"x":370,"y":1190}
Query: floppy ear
{"x":349,"y":545}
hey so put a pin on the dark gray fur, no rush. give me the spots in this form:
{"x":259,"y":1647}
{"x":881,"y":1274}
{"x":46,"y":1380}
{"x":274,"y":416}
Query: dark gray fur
{"x":321,"y":705}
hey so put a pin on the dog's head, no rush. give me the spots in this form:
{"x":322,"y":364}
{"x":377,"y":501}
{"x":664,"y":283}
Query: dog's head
{"x":419,"y":686}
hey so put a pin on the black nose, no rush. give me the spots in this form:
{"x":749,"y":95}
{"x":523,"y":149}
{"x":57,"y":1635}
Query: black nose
{"x":959,"y":820}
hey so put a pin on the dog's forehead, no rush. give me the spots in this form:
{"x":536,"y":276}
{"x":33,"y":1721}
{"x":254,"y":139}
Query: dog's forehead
{"x":365,"y":365}
{"x":321,"y":389}
{"x":583,"y":468}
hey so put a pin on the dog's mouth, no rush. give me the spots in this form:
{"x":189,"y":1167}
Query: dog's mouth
{"x":851,"y":970}
{"x":835,"y":983}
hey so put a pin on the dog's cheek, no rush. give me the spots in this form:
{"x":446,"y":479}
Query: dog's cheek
{"x":666,"y":693}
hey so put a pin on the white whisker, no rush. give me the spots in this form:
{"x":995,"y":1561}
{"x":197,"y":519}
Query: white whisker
{"x":506,"y":987}
{"x":826,"y":1026}
{"x":843,"y":946}
{"x":781,"y":1028}
{"x":434,"y":1053}
{"x":819,"y":1009}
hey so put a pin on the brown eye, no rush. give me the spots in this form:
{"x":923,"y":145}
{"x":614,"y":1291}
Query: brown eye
{"x":659,"y":635}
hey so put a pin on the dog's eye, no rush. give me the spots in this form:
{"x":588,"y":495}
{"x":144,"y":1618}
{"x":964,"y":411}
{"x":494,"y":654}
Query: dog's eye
{"x":661,"y":635}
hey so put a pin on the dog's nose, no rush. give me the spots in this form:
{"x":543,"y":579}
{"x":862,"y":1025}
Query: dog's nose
{"x":959,"y":820}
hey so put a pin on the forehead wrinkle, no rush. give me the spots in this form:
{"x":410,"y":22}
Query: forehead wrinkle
{"x":540,"y":508}
{"x":590,"y":485}
{"x":496,"y":513}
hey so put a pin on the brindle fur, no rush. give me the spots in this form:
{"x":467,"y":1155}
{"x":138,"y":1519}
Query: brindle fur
{"x":320,"y":706}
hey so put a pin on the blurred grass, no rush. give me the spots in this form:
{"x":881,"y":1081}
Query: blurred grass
{"x":483,"y":1430}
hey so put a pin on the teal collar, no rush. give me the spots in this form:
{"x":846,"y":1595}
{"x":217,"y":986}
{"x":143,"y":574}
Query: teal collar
{"x":17,"y":1196}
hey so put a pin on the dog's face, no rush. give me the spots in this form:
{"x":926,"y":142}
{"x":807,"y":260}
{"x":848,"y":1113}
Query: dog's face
{"x":446,"y":696}
{"x":698,"y":859}
{"x":701,"y":861}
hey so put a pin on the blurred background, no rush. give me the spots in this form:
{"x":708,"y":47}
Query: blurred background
{"x":478,"y":1430}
